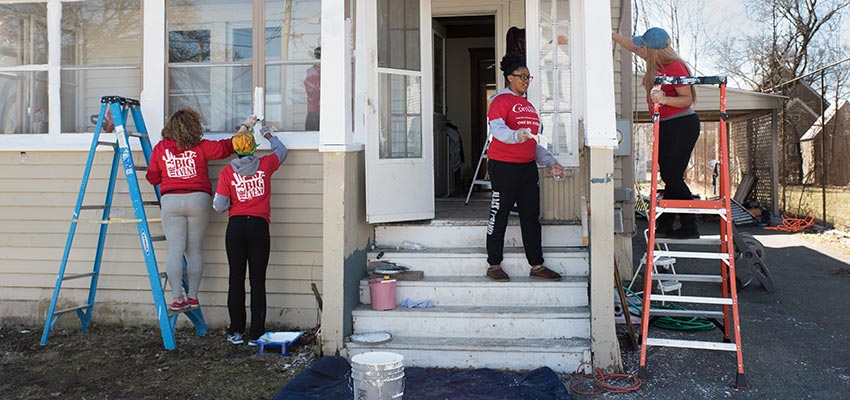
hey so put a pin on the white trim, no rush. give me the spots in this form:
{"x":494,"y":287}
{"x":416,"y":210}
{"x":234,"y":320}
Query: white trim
{"x":396,"y":71}
{"x":54,"y":73}
{"x":152,"y":96}
{"x":335,"y":126}
{"x":341,"y":148}
{"x":600,"y":128}
{"x":27,"y":68}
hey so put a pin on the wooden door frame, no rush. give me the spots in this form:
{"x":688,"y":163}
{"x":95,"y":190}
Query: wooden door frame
{"x":476,"y":107}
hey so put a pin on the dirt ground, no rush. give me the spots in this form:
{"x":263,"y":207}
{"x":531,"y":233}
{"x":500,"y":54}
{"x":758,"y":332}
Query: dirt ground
{"x":119,"y":362}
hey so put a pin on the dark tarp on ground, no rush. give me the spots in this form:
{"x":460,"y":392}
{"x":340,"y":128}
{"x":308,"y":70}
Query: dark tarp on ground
{"x":328,"y":379}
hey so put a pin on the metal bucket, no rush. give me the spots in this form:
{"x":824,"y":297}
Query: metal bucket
{"x":377,"y":375}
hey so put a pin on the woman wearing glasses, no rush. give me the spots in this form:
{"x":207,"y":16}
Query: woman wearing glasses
{"x":514,"y":156}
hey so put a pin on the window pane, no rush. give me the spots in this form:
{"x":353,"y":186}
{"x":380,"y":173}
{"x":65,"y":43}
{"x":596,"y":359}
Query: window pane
{"x":293,"y":29}
{"x":200,"y":31}
{"x":222,"y":95}
{"x":292,"y":97}
{"x":101,"y":32}
{"x":398,"y":34}
{"x":401,"y":116}
{"x":23,"y":102}
{"x":23,"y":34}
{"x":81,"y":92}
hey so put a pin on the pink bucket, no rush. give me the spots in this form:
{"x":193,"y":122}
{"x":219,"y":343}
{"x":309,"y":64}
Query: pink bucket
{"x":382,"y":293}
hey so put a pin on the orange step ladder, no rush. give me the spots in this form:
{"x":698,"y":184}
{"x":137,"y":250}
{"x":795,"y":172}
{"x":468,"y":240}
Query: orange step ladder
{"x":728,"y":299}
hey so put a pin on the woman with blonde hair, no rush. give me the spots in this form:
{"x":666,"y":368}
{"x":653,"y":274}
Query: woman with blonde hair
{"x":178,"y":165}
{"x":679,"y":125}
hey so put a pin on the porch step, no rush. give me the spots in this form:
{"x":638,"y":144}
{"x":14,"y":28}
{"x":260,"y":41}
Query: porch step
{"x":562,"y":355}
{"x":465,"y":234}
{"x":571,"y":291}
{"x":541,"y":322}
{"x":472,"y":261}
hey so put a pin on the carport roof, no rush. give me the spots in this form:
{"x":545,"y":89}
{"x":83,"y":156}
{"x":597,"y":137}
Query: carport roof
{"x":739,"y":102}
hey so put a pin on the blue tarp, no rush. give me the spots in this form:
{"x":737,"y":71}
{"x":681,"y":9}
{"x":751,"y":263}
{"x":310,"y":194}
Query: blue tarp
{"x":329,"y":379}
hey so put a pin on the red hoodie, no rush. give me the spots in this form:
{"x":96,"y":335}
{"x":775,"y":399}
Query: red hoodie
{"x":185,"y":171}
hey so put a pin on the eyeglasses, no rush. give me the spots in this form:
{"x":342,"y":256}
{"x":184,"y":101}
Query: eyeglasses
{"x":524,"y":77}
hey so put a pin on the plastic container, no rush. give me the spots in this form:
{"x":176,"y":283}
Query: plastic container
{"x":382,"y":293}
{"x":377,"y":375}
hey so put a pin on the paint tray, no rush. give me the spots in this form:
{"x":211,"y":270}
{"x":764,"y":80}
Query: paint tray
{"x":278,"y":339}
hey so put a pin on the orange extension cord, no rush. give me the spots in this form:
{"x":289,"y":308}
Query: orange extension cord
{"x":793,"y":223}
{"x":614,"y":383}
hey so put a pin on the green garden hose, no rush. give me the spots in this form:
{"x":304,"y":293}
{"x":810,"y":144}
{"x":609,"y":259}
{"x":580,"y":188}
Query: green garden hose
{"x":672,"y":323}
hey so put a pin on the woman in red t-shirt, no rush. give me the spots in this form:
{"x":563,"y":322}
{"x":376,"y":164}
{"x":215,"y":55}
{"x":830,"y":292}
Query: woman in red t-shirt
{"x":178,"y":164}
{"x":514,"y":156}
{"x":245,"y":187}
{"x":679,"y":125}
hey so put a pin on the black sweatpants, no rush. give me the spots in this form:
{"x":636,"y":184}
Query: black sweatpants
{"x":247,"y":242}
{"x":513,"y":182}
{"x":676,"y":140}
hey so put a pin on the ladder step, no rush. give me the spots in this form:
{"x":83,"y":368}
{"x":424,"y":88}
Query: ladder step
{"x":77,"y":276}
{"x":688,"y":277}
{"x":137,"y":134}
{"x":686,"y":313}
{"x":692,"y":254}
{"x":141,"y":167}
{"x":712,"y":240}
{"x":110,"y":144}
{"x":150,"y":203}
{"x":702,"y":204}
{"x":691,"y":344}
{"x":93,"y":207}
{"x":703,"y":211}
{"x":60,"y":312}
{"x":691,"y":299}
{"x":160,"y":238}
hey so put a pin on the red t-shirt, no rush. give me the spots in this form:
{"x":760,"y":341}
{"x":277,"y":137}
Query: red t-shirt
{"x":185,"y":170}
{"x":517,"y":113}
{"x":249,"y":195}
{"x":675,"y":68}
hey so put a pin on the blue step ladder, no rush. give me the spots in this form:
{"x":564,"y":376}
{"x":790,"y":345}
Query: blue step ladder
{"x":123,"y":159}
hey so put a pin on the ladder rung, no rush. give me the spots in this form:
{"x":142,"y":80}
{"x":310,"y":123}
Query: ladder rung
{"x":705,"y":211}
{"x":110,"y":144}
{"x":702,"y":204}
{"x":141,"y":167}
{"x":137,"y":134}
{"x":93,"y":207}
{"x":60,"y":312}
{"x":703,"y":240}
{"x":688,"y":277}
{"x":686,"y":313}
{"x":691,"y":254}
{"x":691,"y":299}
{"x":115,"y":220}
{"x":150,"y":203}
{"x":160,"y":238}
{"x":77,"y":276}
{"x":691,"y":344}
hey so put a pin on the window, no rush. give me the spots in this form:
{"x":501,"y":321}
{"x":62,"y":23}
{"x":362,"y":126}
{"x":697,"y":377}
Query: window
{"x":101,"y":56}
{"x":101,"y":48}
{"x":215,"y":61}
{"x":555,"y":78}
{"x":23,"y":68}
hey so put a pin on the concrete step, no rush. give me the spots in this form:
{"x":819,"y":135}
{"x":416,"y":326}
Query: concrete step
{"x":441,"y":233}
{"x":479,"y":291}
{"x":480,"y":322}
{"x":472,"y":261}
{"x":562,"y":355}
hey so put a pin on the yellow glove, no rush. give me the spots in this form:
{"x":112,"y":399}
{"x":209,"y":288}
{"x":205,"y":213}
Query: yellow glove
{"x":244,"y":144}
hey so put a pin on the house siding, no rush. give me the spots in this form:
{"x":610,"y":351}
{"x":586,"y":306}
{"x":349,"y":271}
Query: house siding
{"x":39,"y":190}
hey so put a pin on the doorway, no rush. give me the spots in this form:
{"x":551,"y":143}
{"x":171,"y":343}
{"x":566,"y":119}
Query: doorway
{"x":464,"y":77}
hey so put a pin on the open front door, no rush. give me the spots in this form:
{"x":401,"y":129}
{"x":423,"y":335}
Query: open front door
{"x":398,"y":111}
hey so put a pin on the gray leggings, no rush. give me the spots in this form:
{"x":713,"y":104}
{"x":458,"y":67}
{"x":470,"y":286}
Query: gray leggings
{"x":184,"y":219}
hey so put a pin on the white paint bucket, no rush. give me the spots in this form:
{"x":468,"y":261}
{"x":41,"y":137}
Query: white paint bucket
{"x":378,"y":375}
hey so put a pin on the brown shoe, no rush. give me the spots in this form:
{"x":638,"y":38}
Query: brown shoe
{"x":544,"y":273}
{"x":495,"y":273}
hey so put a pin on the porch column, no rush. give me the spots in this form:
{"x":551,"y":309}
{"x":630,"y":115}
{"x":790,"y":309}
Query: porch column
{"x":153,"y":68}
{"x":600,"y":138}
{"x":345,"y":234}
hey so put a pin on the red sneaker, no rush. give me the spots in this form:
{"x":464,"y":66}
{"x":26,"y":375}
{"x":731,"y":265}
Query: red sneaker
{"x":179,"y":304}
{"x":192,"y":303}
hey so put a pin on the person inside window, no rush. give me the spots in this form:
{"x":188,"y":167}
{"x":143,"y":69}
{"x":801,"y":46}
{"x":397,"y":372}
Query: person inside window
{"x":313,"y":86}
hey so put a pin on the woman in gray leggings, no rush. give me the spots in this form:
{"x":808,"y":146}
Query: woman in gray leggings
{"x":179,"y":165}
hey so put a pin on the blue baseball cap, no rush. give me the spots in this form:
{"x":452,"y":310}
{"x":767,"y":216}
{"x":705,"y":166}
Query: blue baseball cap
{"x":654,"y":38}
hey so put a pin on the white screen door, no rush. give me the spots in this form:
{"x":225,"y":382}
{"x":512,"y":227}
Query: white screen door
{"x":399,"y":123}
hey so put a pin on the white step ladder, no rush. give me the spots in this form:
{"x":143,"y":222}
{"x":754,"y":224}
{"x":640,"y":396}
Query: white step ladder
{"x":481,"y":182}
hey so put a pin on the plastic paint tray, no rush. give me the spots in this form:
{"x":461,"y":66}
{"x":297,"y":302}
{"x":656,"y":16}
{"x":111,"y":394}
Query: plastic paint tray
{"x":278,"y":339}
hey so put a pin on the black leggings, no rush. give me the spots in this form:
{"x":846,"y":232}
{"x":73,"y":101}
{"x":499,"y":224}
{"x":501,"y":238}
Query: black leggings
{"x":514,"y":183}
{"x":676,"y":140}
{"x":247,"y":242}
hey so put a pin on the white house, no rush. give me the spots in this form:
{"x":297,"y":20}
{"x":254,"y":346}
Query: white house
{"x":375,"y":173}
